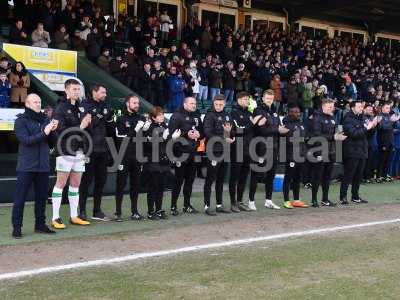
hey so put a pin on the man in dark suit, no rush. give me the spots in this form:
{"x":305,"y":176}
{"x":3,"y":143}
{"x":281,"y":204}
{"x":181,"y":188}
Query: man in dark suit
{"x":34,"y":132}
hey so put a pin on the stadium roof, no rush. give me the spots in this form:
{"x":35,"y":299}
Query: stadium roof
{"x":378,"y":15}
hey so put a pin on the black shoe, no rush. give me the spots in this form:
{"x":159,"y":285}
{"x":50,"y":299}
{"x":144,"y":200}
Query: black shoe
{"x":189,"y":210}
{"x":174,"y":211}
{"x":243,"y":207}
{"x":44,"y":229}
{"x":83,"y":216}
{"x":210,"y":212}
{"x":136,"y":216}
{"x":235,"y":209}
{"x":328,"y":203}
{"x":344,"y":201}
{"x":152,"y":216}
{"x":315,"y":204}
{"x":100,"y":216}
{"x":17,"y":234}
{"x":359,"y":200}
{"x":118,"y":218}
{"x":162,"y":215}
{"x":222,"y":210}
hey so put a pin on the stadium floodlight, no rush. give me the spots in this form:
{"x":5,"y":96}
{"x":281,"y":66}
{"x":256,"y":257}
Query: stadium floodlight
{"x":11,"y":2}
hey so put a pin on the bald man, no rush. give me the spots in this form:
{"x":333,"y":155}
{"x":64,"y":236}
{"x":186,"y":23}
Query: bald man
{"x":34,"y":132}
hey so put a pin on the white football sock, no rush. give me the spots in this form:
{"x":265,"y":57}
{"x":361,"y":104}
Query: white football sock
{"x":56,"y":200}
{"x":73,"y":197}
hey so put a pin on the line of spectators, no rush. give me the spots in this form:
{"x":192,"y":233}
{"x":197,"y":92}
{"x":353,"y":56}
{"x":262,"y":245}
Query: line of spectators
{"x":14,"y":84}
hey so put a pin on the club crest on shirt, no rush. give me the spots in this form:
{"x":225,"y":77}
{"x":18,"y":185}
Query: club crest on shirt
{"x":68,"y":111}
{"x":81,"y":109}
{"x":333,"y":122}
{"x":326,"y":121}
{"x":105,"y":111}
{"x":227,"y":118}
{"x":219,"y":118}
{"x":275,"y":115}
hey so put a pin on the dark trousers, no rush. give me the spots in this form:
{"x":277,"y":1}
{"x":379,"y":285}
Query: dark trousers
{"x":97,"y":169}
{"x":238,"y":179}
{"x":353,"y":173}
{"x":384,"y":162}
{"x":369,"y":164}
{"x":184,"y":175}
{"x":267,"y":179}
{"x":292,"y":179}
{"x":214,"y":174}
{"x":155,"y":192}
{"x":132,"y":170}
{"x":321,"y":174}
{"x":40,"y":182}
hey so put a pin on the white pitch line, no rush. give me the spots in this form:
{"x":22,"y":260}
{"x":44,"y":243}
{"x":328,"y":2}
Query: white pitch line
{"x":102,"y":262}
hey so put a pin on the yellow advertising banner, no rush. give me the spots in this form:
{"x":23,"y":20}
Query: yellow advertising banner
{"x":44,"y":59}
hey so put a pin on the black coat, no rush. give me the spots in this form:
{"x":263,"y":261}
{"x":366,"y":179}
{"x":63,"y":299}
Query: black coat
{"x":296,"y":130}
{"x":323,"y":125}
{"x":69,"y":117}
{"x":185,"y":121}
{"x":356,"y":144}
{"x":385,"y":131}
{"x":269,"y":130}
{"x":101,"y":125}
{"x":125,"y":128}
{"x":243,"y":128}
{"x":213,"y":128}
{"x":33,"y":149}
{"x":160,"y":162}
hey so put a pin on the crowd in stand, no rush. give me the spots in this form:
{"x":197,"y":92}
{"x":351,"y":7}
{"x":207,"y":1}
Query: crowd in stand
{"x":208,"y":60}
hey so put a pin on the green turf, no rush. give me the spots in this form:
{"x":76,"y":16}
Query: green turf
{"x":357,"y":265}
{"x":376,"y":193}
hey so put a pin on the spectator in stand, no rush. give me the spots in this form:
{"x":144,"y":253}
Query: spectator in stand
{"x":5,"y":90}
{"x":104,"y":60}
{"x":108,"y":42}
{"x":18,"y":34}
{"x":61,"y":38}
{"x":94,"y":44}
{"x":276,"y":86}
{"x":40,"y":37}
{"x":20,"y":83}
{"x":47,"y":16}
{"x":5,"y":65}
{"x":159,"y":84}
{"x":215,"y":80}
{"x":204,"y":74}
{"x":176,"y":87}
{"x":118,"y":68}
{"x":133,"y":68}
{"x":166,"y":22}
{"x":206,"y":40}
{"x":146,"y":85}
{"x":85,"y":27}
{"x":77,"y":43}
{"x":229,"y":82}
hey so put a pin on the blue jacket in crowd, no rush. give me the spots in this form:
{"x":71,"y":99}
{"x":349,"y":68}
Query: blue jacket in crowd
{"x":34,"y":148}
{"x":5,"y":90}
{"x":176,"y":87}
